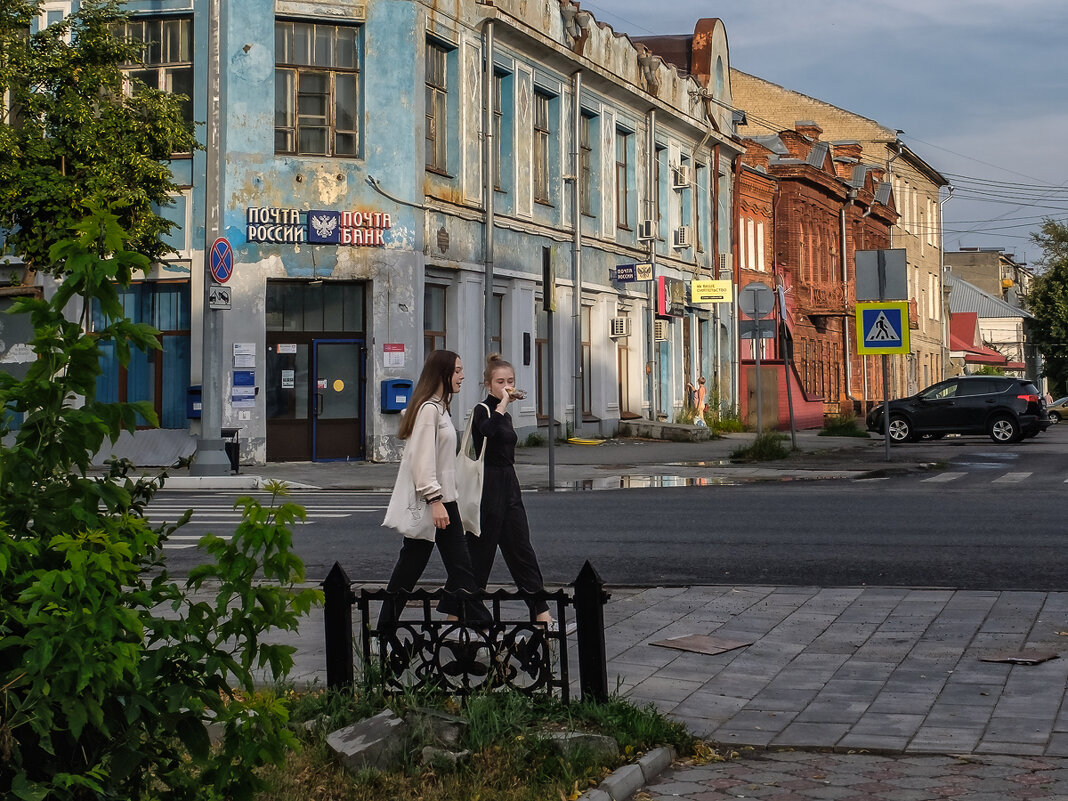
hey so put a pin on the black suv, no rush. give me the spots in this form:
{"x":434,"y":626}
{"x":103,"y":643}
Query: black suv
{"x":1008,"y":409}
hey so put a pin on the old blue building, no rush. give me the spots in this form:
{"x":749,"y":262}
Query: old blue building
{"x":371,"y":163}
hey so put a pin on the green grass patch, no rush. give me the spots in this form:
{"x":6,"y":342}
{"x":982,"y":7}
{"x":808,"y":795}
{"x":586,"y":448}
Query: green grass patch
{"x":768,"y":446}
{"x":842,"y":425}
{"x":509,"y":761}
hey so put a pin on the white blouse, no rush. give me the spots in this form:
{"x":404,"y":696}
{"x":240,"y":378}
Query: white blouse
{"x":432,"y":452}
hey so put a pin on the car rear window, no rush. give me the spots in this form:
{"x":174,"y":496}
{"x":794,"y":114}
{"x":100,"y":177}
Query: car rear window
{"x":1029,"y":388}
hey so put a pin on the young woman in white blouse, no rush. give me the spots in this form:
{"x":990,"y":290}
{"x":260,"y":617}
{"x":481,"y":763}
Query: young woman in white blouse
{"x":431,"y":442}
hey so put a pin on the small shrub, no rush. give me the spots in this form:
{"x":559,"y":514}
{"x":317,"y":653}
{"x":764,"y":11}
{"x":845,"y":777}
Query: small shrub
{"x":728,"y":423}
{"x":767,"y":446}
{"x":534,"y":440}
{"x":842,"y":425}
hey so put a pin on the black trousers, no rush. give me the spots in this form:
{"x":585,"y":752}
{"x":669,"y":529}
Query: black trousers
{"x":413,"y":559}
{"x":504,"y":525}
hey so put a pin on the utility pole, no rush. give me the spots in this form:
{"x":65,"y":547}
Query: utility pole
{"x":210,"y":458}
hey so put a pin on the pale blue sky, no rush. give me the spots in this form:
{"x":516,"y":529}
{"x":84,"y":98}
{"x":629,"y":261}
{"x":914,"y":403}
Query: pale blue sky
{"x":980,"y":88}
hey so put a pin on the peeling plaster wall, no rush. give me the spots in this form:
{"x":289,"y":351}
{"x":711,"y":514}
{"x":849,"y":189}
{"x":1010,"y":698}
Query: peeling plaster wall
{"x":533,"y":47}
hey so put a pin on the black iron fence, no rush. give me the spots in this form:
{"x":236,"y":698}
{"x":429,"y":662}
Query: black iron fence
{"x":512,"y":651}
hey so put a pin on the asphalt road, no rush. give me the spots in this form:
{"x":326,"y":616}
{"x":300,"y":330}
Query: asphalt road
{"x":985,"y":517}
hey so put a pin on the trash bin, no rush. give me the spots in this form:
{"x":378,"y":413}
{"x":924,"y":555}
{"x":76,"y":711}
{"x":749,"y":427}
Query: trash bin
{"x":232,"y":446}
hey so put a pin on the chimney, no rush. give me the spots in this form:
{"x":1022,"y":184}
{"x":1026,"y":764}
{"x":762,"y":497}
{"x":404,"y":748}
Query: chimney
{"x":808,"y":128}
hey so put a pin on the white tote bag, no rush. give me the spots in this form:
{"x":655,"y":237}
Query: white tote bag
{"x":469,"y":472}
{"x":408,"y":512}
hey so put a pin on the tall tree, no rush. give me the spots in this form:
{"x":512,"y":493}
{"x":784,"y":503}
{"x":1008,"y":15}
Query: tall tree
{"x":77,"y":130}
{"x":1048,"y":302}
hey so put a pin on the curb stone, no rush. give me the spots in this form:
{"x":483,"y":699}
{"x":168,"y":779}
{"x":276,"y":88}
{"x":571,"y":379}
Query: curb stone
{"x":625,"y":781}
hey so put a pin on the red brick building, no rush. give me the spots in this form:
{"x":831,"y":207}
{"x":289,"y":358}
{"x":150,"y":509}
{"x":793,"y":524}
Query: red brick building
{"x":804,"y":206}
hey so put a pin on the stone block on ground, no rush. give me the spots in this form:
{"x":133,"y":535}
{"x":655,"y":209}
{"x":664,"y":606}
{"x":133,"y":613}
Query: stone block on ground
{"x":443,"y":728}
{"x":377,"y":742}
{"x":599,"y":746}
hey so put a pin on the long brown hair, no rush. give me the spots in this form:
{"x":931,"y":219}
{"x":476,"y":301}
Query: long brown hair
{"x":436,"y":379}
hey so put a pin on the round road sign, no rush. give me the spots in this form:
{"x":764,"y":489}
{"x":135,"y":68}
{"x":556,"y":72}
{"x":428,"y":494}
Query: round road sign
{"x":756,"y":300}
{"x":221,"y":260}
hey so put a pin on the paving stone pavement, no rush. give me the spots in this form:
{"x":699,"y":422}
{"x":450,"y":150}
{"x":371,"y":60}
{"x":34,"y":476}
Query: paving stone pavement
{"x":810,"y":775}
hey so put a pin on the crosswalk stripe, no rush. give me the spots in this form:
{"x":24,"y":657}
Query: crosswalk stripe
{"x":1011,"y":478}
{"x":942,"y":478}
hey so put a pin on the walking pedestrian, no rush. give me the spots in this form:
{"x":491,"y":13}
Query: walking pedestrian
{"x":698,"y":394}
{"x":503,"y":516}
{"x":431,"y":442}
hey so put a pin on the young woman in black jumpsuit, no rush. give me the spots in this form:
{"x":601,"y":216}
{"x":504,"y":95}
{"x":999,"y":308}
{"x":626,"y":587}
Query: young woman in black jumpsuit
{"x":504,"y":519}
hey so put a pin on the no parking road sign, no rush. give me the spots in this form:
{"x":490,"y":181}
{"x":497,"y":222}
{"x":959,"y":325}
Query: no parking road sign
{"x":883,"y":327}
{"x":221,"y":260}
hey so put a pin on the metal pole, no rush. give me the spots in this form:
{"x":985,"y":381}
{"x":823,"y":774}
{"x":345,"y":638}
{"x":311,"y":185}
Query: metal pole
{"x":757,"y":341}
{"x":210,"y":458}
{"x":590,"y":599}
{"x":886,"y":405}
{"x":550,"y":374}
{"x":337,"y":615}
{"x":488,"y":150}
{"x":650,"y":365}
{"x":576,"y":251}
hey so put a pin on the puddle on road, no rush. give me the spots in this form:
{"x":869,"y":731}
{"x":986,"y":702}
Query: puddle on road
{"x":640,"y":482}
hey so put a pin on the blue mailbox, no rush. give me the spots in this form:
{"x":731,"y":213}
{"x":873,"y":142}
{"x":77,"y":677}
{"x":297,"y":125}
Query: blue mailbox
{"x":396,"y":392}
{"x":193,"y":403}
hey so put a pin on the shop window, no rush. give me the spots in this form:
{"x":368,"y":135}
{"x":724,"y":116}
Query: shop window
{"x":317,"y":103}
{"x":294,"y":306}
{"x":160,"y":377}
{"x":587,"y":363}
{"x":434,"y":298}
{"x":166,"y":56}
{"x":494,"y":324}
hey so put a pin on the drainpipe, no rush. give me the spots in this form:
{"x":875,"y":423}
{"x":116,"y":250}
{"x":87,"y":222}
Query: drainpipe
{"x":736,"y":266}
{"x":576,"y":246}
{"x":490,"y":178}
{"x":850,"y":198}
{"x":942,"y":285}
{"x":652,"y":374}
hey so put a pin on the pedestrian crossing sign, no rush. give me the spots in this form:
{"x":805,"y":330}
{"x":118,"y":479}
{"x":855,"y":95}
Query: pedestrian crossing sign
{"x":883,"y":327}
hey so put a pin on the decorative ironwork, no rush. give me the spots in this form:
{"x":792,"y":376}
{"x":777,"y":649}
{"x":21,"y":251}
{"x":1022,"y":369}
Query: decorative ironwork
{"x":514,"y":651}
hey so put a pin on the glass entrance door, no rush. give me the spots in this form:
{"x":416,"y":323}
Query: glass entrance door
{"x":337,"y":423}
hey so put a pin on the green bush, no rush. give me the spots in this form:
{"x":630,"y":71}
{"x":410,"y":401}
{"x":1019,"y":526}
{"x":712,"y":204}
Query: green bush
{"x":110,"y":670}
{"x":842,"y":425}
{"x":767,"y":446}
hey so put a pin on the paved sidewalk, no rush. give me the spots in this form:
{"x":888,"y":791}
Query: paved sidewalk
{"x":841,"y":693}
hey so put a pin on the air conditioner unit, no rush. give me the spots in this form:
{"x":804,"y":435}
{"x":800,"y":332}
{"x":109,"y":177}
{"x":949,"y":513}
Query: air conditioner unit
{"x":647,"y":229}
{"x":682,"y":176}
{"x":619,"y":327}
{"x":660,"y":330}
{"x":683,"y":237}
{"x":726,"y":262}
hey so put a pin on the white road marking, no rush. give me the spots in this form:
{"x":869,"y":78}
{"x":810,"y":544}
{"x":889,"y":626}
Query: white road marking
{"x":1011,"y":478}
{"x":942,"y":478}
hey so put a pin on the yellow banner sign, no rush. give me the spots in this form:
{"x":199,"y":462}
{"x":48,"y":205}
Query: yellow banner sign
{"x":711,"y":292}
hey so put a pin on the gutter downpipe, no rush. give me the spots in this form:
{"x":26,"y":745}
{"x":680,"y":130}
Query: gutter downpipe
{"x":490,"y":179}
{"x":736,"y":346}
{"x":651,"y":366}
{"x":942,"y":305}
{"x":890,"y":179}
{"x":850,"y":198}
{"x":576,"y":248}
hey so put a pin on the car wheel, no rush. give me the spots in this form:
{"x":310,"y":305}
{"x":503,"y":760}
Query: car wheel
{"x":1054,"y":417}
{"x":900,"y":429}
{"x":1004,"y":430}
